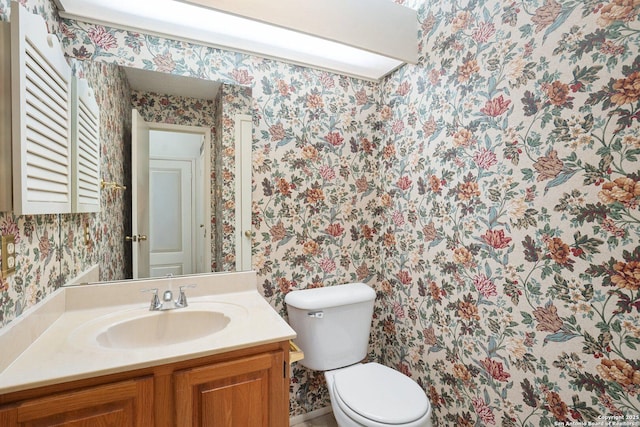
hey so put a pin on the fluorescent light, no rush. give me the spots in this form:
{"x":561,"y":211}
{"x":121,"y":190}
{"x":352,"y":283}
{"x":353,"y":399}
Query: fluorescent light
{"x":205,"y":25}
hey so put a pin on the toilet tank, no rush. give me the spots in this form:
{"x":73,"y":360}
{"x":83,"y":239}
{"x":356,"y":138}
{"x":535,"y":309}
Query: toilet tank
{"x":332,"y":324}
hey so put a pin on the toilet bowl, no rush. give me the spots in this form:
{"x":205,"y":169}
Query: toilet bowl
{"x":333,"y":325}
{"x":373,"y":395}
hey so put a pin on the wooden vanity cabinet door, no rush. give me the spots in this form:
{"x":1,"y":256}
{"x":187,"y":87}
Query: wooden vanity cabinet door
{"x":121,"y":404}
{"x":249,"y":391}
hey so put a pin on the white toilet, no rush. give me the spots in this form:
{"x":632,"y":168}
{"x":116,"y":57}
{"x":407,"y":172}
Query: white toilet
{"x":333,"y":325}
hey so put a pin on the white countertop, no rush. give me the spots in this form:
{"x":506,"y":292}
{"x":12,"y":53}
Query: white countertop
{"x":50,"y":343}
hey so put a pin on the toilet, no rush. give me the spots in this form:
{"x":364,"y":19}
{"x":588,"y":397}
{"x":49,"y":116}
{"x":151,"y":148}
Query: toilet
{"x":333,"y":326}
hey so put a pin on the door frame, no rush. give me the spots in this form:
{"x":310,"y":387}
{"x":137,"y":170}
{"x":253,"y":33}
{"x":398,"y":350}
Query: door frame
{"x":139,"y":195}
{"x":243,"y":165}
{"x":206,"y":132}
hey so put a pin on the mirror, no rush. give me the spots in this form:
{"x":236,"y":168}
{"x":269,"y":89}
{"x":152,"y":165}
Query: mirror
{"x":172,"y":107}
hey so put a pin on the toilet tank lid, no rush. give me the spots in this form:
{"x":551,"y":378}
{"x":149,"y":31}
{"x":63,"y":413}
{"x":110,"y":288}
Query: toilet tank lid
{"x":330,"y":296}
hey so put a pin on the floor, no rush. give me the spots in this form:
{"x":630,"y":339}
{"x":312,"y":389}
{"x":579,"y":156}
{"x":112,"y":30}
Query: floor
{"x":323,"y":421}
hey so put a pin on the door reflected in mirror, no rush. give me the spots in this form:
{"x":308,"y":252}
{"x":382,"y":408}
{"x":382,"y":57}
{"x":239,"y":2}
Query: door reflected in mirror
{"x":195,"y":219}
{"x":178,"y":228}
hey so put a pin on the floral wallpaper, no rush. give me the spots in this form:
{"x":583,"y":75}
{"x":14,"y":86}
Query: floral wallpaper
{"x":315,"y":165}
{"x":489,"y":194}
{"x":510,"y":236}
{"x":230,"y":101}
{"x":174,"y":109}
{"x":37,"y":274}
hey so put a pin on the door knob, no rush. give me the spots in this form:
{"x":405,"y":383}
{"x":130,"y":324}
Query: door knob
{"x":141,"y":237}
{"x":247,"y":233}
{"x":131,"y":238}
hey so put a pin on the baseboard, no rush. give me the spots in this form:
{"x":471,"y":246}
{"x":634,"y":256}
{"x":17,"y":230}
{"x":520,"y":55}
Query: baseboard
{"x":309,"y":415}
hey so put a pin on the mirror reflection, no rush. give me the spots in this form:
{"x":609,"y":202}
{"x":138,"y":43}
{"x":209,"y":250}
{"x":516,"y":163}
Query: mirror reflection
{"x":171,"y":208}
{"x":180,"y":165}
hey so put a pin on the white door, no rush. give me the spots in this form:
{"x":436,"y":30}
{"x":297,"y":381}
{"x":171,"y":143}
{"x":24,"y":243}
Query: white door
{"x":140,"y":194}
{"x":171,"y":217}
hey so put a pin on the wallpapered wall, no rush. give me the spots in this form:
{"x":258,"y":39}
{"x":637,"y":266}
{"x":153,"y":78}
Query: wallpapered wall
{"x":489,"y":195}
{"x":230,"y":101}
{"x":509,"y":202}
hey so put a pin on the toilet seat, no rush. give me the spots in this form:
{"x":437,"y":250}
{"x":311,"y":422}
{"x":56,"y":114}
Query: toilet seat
{"x":375,"y":395}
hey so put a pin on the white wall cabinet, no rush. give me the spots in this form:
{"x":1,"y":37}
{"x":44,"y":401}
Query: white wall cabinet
{"x":85,"y":137}
{"x":41,"y":117}
{"x":49,"y":136}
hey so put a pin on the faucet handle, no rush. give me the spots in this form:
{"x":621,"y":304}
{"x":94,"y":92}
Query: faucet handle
{"x":182,"y":297}
{"x":155,"y":301}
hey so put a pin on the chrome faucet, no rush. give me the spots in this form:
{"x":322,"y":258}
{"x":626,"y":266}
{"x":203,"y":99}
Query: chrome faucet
{"x":168,"y":303}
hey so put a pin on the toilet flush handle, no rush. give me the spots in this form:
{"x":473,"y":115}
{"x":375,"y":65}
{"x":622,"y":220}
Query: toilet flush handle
{"x":316,"y":314}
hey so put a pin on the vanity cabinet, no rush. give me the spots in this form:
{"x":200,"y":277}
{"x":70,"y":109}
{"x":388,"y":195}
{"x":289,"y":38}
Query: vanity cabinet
{"x":123,"y":404}
{"x":247,"y":387}
{"x":244,"y":392}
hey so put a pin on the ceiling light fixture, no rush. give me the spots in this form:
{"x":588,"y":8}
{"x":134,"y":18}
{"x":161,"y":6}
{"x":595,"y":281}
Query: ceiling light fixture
{"x":362,"y":38}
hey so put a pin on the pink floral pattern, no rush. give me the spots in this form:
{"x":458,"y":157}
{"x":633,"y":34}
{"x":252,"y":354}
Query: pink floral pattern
{"x":489,"y":194}
{"x":231,"y":101}
{"x":520,"y":133}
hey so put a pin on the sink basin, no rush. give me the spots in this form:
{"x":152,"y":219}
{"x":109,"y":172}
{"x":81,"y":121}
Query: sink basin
{"x":162,"y":328}
{"x":139,"y":328}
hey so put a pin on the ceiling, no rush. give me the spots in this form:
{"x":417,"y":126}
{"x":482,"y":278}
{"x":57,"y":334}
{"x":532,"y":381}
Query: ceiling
{"x":171,"y":84}
{"x":367,"y":39}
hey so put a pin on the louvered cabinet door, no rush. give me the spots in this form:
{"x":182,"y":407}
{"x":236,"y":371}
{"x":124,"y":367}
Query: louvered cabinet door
{"x":41,"y":117}
{"x":85,"y":140}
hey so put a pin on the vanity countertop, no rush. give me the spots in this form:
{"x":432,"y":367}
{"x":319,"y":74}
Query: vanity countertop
{"x":47,"y":345}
